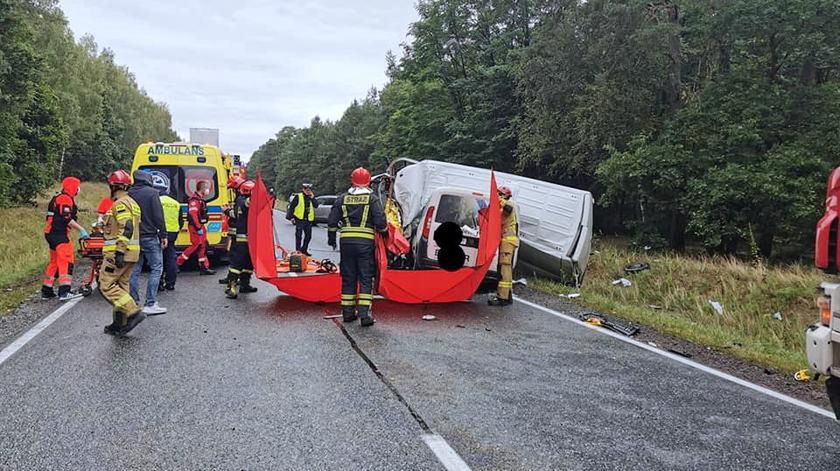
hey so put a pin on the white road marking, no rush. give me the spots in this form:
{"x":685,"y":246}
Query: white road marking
{"x":685,"y":361}
{"x":7,"y":352}
{"x":445,"y":454}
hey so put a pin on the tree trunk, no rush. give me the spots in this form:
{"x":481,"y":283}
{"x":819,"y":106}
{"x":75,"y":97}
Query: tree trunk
{"x":765,"y":242}
{"x":677,"y":231}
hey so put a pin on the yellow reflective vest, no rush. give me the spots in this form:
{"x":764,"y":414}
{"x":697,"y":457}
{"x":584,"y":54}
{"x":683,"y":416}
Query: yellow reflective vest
{"x":171,"y":213}
{"x":300,"y":208}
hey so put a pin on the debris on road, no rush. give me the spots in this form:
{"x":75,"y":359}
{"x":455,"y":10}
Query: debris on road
{"x":718,"y":307}
{"x":521,"y":282}
{"x":654,"y":306}
{"x":634,"y":268}
{"x":461,"y":326}
{"x":624,"y":282}
{"x":429,"y":317}
{"x":600,"y":321}
{"x":570,"y":295}
{"x":802,"y":375}
{"x":680,"y":353}
{"x":777,"y":316}
{"x":334,"y":316}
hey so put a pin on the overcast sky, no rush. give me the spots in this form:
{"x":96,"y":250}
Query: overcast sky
{"x":248,"y":67}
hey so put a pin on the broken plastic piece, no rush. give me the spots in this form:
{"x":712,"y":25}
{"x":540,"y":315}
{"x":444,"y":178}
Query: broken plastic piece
{"x":718,"y":307}
{"x":429,"y":317}
{"x":521,"y":281}
{"x":777,"y":316}
{"x":336,"y":316}
{"x":802,"y":375}
{"x":623,"y":282}
{"x":636,"y":268}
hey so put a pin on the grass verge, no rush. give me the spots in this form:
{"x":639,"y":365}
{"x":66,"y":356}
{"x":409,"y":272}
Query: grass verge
{"x":673,"y":297}
{"x":23,"y":251}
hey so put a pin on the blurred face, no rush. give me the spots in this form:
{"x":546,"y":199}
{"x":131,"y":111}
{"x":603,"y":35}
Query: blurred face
{"x":307,"y":191}
{"x":203,"y":189}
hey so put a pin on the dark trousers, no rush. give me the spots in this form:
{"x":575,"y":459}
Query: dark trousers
{"x":241,"y":267}
{"x":170,"y":260}
{"x":357,"y":274}
{"x":303,"y":230}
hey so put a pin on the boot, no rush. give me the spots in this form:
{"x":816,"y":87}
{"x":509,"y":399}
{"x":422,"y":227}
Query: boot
{"x":132,"y":322}
{"x":224,"y":281}
{"x":232,"y":282}
{"x":245,"y":284}
{"x":348,"y":314}
{"x":64,"y":293}
{"x":206,"y":271}
{"x":47,"y":292}
{"x":365,"y":316}
{"x":113,"y":328}
{"x":499,"y":302}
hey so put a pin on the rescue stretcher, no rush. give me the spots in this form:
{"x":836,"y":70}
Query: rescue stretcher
{"x":91,"y":249}
{"x":320,"y":285}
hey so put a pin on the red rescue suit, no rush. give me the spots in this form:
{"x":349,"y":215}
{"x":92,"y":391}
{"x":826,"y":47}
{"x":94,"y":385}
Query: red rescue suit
{"x":196,"y":219}
{"x":61,"y":211}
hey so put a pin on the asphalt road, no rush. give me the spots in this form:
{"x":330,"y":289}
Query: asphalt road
{"x":264,"y":382}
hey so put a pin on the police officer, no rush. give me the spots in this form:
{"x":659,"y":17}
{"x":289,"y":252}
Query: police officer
{"x":359,"y":215}
{"x":241,"y":268}
{"x":197,"y":218}
{"x":507,"y":249}
{"x":121,"y":252}
{"x":301,"y":212}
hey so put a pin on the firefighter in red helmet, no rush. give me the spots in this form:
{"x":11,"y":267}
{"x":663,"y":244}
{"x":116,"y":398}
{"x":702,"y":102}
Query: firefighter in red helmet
{"x":234,"y":183}
{"x":507,"y":249}
{"x":357,"y":215}
{"x":61,"y":219}
{"x":120,"y":253}
{"x":241,"y":268}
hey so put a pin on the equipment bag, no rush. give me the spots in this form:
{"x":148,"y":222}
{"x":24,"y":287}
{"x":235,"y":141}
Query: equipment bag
{"x":298,"y":262}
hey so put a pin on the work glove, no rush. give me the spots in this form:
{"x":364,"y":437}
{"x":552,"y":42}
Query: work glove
{"x":294,"y":221}
{"x":331,"y":239}
{"x":119,"y":260}
{"x":200,"y":232}
{"x":84,"y":234}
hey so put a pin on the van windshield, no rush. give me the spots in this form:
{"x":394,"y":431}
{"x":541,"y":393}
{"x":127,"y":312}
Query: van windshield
{"x":183,"y":180}
{"x":462,"y":210}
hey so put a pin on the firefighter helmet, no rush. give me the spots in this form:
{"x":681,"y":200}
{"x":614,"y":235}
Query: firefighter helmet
{"x":360,"y":177}
{"x":235,"y":182}
{"x":505,"y":192}
{"x":120,"y":177}
{"x":247,"y":187}
{"x":70,"y":185}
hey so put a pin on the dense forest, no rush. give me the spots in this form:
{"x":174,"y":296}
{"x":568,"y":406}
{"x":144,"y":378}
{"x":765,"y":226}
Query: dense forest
{"x":64,"y":100}
{"x":710,"y":122}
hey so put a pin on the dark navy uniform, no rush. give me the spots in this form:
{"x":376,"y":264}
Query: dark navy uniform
{"x":241,"y":267}
{"x":358,"y":215}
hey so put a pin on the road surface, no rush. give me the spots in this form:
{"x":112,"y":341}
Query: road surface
{"x":264,"y":382}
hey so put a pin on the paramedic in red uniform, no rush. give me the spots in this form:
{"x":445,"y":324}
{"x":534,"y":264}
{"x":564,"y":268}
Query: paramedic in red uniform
{"x":61,"y":219}
{"x":196,"y":219}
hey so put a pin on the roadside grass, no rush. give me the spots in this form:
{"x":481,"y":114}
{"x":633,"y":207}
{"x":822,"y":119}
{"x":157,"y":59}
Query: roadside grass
{"x":23,"y":251}
{"x":673,"y":298}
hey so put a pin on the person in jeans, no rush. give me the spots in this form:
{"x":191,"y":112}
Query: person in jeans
{"x":171,"y":217}
{"x":152,"y":241}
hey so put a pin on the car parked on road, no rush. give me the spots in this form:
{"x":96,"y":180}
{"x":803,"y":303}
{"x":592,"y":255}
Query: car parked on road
{"x":322,"y":211}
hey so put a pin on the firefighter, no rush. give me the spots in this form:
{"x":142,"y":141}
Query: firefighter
{"x":241,"y":269}
{"x":301,"y":212}
{"x":233,"y":183}
{"x":196,"y":219}
{"x":61,"y":219}
{"x":120,"y":253}
{"x":507,"y":249}
{"x":359,"y":215}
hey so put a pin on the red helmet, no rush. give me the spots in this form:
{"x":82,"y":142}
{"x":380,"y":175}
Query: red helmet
{"x":247,"y":187}
{"x":235,"y":182}
{"x":120,"y":177}
{"x":505,"y":191}
{"x":360,"y":177}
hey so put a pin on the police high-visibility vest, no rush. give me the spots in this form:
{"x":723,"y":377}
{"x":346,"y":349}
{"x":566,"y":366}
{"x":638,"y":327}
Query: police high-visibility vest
{"x":300,"y":209}
{"x":171,"y":213}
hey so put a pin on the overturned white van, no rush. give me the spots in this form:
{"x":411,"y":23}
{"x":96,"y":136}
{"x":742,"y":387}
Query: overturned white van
{"x":555,"y":220}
